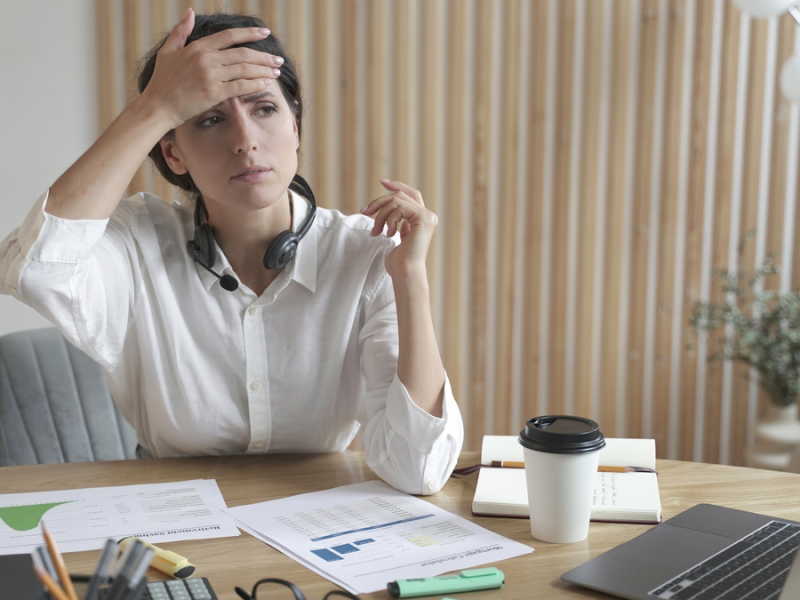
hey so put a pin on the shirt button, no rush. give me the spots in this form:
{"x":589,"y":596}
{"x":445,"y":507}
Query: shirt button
{"x":13,"y":289}
{"x":258,"y":447}
{"x":431,"y":485}
{"x":252,"y":310}
{"x":256,"y":385}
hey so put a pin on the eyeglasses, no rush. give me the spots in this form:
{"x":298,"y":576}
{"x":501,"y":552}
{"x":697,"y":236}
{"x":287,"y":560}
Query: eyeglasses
{"x":298,"y":594}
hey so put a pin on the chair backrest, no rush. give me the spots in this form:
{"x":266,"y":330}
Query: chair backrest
{"x":55,"y":405}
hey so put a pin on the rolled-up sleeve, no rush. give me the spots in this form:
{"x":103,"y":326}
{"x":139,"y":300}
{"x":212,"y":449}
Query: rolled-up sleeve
{"x":406,"y":446}
{"x":57,"y":266}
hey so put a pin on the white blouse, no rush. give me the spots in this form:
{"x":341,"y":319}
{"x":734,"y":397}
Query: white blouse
{"x":199,"y":370}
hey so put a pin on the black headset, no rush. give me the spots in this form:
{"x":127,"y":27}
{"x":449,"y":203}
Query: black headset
{"x":202,"y":248}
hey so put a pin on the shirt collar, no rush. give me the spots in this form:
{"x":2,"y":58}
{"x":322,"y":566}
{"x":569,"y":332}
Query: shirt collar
{"x":303,"y":267}
{"x":305,"y":259}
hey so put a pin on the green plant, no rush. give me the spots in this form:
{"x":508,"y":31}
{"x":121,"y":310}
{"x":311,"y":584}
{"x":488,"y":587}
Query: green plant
{"x":762,"y":327}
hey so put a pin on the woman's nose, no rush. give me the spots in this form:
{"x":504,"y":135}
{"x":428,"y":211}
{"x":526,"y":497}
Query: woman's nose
{"x":244,"y":138}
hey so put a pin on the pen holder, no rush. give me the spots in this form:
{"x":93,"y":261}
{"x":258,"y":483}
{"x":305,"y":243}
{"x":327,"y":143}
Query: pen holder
{"x":81,"y":583}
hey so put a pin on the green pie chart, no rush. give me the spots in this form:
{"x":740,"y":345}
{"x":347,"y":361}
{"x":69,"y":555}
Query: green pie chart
{"x":25,"y":518}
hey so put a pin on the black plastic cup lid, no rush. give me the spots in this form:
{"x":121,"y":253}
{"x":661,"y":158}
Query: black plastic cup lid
{"x":562,"y":434}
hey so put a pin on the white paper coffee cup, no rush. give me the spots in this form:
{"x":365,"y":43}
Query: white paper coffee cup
{"x":561,"y":457}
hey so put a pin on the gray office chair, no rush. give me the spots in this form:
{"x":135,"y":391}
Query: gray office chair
{"x":55,"y":405}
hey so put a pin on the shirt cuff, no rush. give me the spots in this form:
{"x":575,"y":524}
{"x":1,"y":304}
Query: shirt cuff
{"x":418,"y":427}
{"x":54,"y":239}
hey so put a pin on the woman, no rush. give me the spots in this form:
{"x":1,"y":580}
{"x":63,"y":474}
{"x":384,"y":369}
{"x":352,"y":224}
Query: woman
{"x":299,"y":354}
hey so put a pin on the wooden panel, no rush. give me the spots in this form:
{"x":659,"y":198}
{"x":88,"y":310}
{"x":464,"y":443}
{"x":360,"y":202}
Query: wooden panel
{"x":323,"y":120}
{"x":560,"y":210}
{"x":350,"y":86}
{"x":454,"y":335}
{"x":671,"y":27}
{"x":479,"y":222}
{"x":430,"y":133}
{"x":622,"y":114}
{"x":534,"y":227}
{"x":506,"y":189}
{"x":586,"y":164}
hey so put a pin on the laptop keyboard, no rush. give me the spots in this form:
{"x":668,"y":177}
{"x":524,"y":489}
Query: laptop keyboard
{"x":753,"y":568}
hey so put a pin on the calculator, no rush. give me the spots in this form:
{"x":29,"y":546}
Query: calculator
{"x":191,"y":588}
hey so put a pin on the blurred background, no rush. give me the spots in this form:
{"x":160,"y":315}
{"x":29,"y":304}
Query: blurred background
{"x":590,"y":161}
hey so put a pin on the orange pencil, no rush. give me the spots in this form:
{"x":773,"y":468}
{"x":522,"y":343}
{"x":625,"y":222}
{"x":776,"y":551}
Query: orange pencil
{"x":508,"y":463}
{"x":521,"y":465}
{"x":58,"y":562}
{"x":51,"y":585}
{"x":612,"y":469}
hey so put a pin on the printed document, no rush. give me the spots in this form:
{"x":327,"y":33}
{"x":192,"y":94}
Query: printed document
{"x":83,"y":519}
{"x":364,"y":535}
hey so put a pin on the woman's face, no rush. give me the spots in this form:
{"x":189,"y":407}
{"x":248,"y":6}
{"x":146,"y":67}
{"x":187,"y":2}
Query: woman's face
{"x":241,"y":154}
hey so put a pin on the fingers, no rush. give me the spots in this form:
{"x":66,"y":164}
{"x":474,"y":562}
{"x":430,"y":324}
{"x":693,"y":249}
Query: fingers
{"x":181,"y":31}
{"x":189,"y":79}
{"x":230,"y":37}
{"x":247,"y":71}
{"x":401,"y":210}
{"x":233,"y":56}
{"x":402,"y":187}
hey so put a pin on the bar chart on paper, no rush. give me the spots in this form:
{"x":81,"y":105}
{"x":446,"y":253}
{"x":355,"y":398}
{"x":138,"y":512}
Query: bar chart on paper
{"x":362,"y":535}
{"x":83,"y":519}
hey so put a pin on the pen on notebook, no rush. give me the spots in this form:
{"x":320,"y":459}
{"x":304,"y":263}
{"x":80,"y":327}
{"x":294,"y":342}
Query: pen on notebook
{"x":101,"y":572}
{"x":602,"y":469}
{"x":58,"y":562}
{"x":508,"y":464}
{"x":44,"y":577}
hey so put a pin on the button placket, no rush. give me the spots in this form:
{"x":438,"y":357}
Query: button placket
{"x":257,"y":389}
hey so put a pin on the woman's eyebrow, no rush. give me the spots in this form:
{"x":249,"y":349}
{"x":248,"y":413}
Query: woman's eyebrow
{"x":250,"y":98}
{"x":257,"y":96}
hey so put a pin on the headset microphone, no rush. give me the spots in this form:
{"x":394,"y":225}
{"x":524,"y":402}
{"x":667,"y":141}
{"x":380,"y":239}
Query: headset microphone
{"x":226,"y":282}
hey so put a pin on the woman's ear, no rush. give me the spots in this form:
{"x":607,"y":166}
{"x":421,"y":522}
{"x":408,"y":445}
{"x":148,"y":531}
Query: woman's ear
{"x":296,"y":135}
{"x":173,"y":156}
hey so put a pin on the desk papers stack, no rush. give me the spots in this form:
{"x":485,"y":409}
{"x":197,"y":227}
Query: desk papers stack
{"x":84,"y":519}
{"x":364,"y":535}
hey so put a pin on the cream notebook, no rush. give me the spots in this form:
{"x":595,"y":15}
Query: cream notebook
{"x":618,"y":497}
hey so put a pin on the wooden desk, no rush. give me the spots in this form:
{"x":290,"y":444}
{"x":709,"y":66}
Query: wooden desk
{"x":247,"y":479}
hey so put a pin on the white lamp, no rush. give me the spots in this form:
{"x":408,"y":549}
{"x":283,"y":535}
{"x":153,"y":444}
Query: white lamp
{"x":790,"y":72}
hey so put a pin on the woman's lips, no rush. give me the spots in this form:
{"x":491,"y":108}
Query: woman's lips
{"x":251,"y":174}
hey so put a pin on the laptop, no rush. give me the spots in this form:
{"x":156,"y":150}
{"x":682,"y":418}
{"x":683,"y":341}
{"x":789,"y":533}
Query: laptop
{"x":704,"y":553}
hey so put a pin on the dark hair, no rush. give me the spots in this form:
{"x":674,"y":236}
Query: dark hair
{"x":205,"y":25}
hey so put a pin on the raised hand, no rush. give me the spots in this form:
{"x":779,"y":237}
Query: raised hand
{"x":403,"y":210}
{"x":191,"y":79}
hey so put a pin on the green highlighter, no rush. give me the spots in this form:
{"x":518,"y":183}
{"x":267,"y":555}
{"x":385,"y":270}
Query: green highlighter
{"x":466,"y":581}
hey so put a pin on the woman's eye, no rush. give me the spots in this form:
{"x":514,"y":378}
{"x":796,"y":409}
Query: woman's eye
{"x":209,"y":121}
{"x":267,"y":109}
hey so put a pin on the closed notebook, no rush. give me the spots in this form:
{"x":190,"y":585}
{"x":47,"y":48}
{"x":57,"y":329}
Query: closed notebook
{"x":618,"y":497}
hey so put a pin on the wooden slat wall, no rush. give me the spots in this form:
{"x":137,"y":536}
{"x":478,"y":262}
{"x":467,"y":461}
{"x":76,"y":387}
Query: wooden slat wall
{"x":590,"y":161}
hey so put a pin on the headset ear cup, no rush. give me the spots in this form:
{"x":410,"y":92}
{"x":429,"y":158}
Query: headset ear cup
{"x":281,"y":250}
